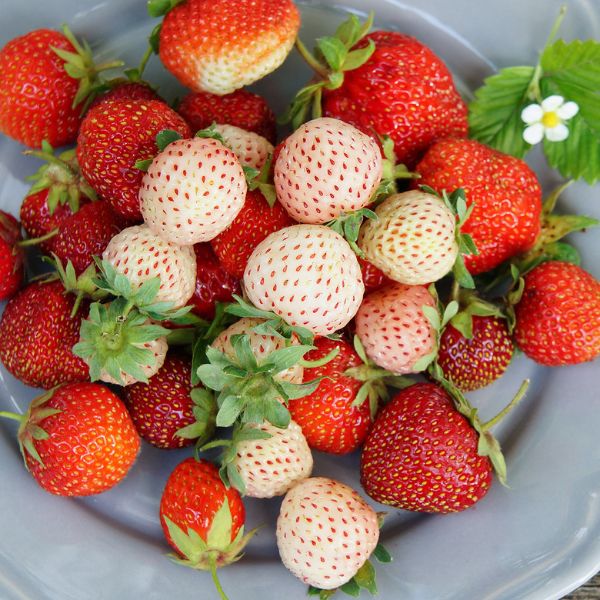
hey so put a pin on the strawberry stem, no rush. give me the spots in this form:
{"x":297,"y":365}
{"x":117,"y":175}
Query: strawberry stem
{"x":38,"y":240}
{"x":215,"y":578}
{"x":312,"y":62}
{"x":11,"y":415}
{"x":518,"y":397}
{"x":142,"y":66}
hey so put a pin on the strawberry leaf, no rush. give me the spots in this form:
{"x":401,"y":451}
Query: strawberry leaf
{"x":334,"y":52}
{"x":166,"y":137}
{"x":495,"y":114}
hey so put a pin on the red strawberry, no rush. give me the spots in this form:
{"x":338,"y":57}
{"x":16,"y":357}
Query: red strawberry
{"x":558,"y":317}
{"x":39,"y":100}
{"x":329,"y":420}
{"x":89,"y":443}
{"x":404,"y":91}
{"x":472,"y":363}
{"x":422,"y":455}
{"x":37,"y":333}
{"x":241,"y":108}
{"x":165,"y":405}
{"x":11,"y":256}
{"x":373,"y":278}
{"x":127,"y":90}
{"x":219,"y":46}
{"x":86,"y":234}
{"x":113,"y":137}
{"x":252,"y":225}
{"x":195,"y":503}
{"x":505,"y":192}
{"x":213,"y":283}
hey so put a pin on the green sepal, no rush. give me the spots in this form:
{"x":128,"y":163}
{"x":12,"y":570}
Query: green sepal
{"x":205,"y":413}
{"x":159,"y":8}
{"x":381,"y":554}
{"x":166,"y":137}
{"x":211,"y":132}
{"x":348,"y":226}
{"x":261,"y":180}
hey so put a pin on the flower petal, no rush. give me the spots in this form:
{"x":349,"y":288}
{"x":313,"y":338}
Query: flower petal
{"x":568,"y":110}
{"x":557,"y":134}
{"x":534,"y":134}
{"x":552,"y":103}
{"x":532,"y":114}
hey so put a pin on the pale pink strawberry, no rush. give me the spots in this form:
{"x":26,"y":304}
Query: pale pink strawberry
{"x":262,"y":346}
{"x":270,"y":467}
{"x":252,"y":149}
{"x":413,"y":239}
{"x":193,"y":191}
{"x":141,"y":255}
{"x":326,"y":168}
{"x":325,"y":532}
{"x":308,"y":275}
{"x":394,"y":330}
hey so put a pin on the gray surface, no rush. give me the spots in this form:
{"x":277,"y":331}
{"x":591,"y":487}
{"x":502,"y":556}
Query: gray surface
{"x":538,"y":540}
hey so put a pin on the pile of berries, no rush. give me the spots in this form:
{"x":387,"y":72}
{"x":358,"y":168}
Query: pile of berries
{"x":339,"y":291}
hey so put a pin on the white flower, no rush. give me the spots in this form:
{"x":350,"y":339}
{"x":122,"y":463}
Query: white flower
{"x":547,"y":120}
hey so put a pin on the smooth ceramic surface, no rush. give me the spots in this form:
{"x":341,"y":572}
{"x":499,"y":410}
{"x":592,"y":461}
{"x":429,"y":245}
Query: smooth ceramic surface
{"x":537,"y":540}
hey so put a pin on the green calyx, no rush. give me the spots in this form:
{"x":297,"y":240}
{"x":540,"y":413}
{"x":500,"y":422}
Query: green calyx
{"x":228,"y":471}
{"x":470,"y":305}
{"x":60,"y":175}
{"x":30,"y":425}
{"x":457,"y":203}
{"x":216,"y":551}
{"x":112,"y":341}
{"x":488,"y":445}
{"x":376,"y":381}
{"x":262,"y":181}
{"x":348,"y":226}
{"x":159,"y":8}
{"x":205,"y":413}
{"x":80,"y":65}
{"x":333,"y":56}
{"x":249,"y":391}
{"x":273,"y":323}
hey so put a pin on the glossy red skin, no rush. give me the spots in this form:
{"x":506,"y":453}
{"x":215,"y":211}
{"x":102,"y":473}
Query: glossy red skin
{"x":558,"y":317}
{"x":11,"y":256}
{"x":213,"y":283}
{"x":474,"y":363}
{"x":37,"y":333}
{"x":405,"y":91}
{"x":113,"y":137}
{"x":91,"y":443}
{"x":242,"y":109}
{"x":373,"y":278}
{"x":86,"y":234}
{"x":329,"y":421}
{"x":256,"y":221}
{"x":162,"y":406}
{"x":127,"y":90}
{"x":421,"y":454}
{"x":36,"y":93}
{"x":37,"y":220}
{"x":192,"y":496}
{"x":506,"y":194}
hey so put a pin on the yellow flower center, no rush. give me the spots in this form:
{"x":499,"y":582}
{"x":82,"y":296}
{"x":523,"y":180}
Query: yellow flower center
{"x":550,"y":120}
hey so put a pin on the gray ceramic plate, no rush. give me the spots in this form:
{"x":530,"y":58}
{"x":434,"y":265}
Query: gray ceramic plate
{"x":537,"y":540}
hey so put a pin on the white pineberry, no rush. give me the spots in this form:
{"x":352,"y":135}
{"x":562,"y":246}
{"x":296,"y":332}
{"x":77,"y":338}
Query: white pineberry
{"x":325,"y":532}
{"x":158,"y":347}
{"x":140,"y":255}
{"x":394,"y":330}
{"x":262,"y":346}
{"x":413,"y":239}
{"x":193,"y":191}
{"x":252,"y":149}
{"x":270,"y":467}
{"x":308,"y":275}
{"x":326,"y":168}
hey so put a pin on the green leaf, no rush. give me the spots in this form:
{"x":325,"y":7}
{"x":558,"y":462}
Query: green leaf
{"x":143,"y":165}
{"x":365,"y":577}
{"x":463,"y":323}
{"x":158,"y":8}
{"x":235,"y":478}
{"x":285,"y":358}
{"x":334,"y":51}
{"x":348,"y":32}
{"x":166,"y":137}
{"x":424,"y":362}
{"x":212,"y":376}
{"x":293,"y":391}
{"x":230,"y":410}
{"x":357,"y":58}
{"x":433,"y":316}
{"x":154,"y":38}
{"x":563,"y":252}
{"x":277,"y":414}
{"x":381,"y":554}
{"x":212,"y":133}
{"x":351,"y":588}
{"x":243,"y":352}
{"x":462,"y":275}
{"x":219,"y":534}
{"x":450,"y":311}
{"x":495,"y":114}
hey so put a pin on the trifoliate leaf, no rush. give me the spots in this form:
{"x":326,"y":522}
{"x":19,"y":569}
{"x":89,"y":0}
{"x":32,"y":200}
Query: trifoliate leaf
{"x":495,"y":114}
